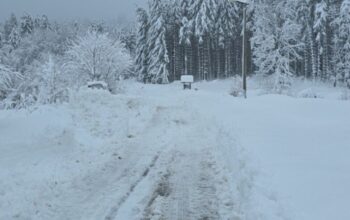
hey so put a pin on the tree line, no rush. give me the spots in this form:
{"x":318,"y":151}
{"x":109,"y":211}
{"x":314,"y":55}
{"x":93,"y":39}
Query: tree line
{"x":308,"y":38}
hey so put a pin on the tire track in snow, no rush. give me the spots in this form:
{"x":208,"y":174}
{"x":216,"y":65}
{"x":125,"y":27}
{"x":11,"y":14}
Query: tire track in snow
{"x":114,"y":211}
{"x":159,"y":117}
{"x":197,"y":182}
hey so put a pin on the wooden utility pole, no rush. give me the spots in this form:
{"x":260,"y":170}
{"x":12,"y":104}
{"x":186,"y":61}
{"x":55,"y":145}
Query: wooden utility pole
{"x":244,"y":45}
{"x":244,"y":53}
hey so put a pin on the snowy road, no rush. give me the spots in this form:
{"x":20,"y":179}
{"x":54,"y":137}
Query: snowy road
{"x":170,"y":169}
{"x":179,"y":175}
{"x":161,"y":153}
{"x":123,"y":157}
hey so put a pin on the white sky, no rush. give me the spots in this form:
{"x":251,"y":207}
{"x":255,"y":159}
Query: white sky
{"x":73,"y":9}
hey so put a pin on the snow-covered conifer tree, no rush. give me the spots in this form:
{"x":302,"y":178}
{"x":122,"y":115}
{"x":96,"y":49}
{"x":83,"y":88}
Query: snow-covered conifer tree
{"x":227,"y":27}
{"x":26,"y":24}
{"x":44,"y":22}
{"x":9,"y":25}
{"x":203,"y":25}
{"x":320,"y":27}
{"x":343,"y":41}
{"x":142,"y":56}
{"x":14,"y":38}
{"x":185,"y":34}
{"x":159,"y":58}
{"x":1,"y":39}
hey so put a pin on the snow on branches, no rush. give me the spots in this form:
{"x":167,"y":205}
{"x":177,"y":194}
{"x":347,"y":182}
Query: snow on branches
{"x":8,"y":80}
{"x":97,"y":57}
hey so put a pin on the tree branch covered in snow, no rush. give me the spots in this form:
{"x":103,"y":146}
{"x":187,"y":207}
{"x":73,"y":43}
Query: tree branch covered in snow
{"x":96,"y":57}
{"x":9,"y":81}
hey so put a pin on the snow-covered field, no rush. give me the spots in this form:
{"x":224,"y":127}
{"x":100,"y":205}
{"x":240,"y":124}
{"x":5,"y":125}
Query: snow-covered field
{"x":158,"y":152}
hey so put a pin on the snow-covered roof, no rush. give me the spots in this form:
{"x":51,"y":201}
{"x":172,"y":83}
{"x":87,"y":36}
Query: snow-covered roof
{"x":187,"y":79}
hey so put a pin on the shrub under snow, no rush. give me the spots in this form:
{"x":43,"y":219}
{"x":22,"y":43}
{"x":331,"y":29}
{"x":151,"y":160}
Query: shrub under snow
{"x":309,"y":93}
{"x":237,"y":88}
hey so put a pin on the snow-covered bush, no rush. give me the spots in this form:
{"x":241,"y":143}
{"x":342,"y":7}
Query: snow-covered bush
{"x":237,"y":87}
{"x":275,"y":83}
{"x":97,"y":57}
{"x":345,"y":95}
{"x":310,"y":93}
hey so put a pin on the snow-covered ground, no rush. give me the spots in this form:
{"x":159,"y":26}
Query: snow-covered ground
{"x":158,"y":152}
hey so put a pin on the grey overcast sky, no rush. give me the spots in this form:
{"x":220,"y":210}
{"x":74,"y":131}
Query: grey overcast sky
{"x":73,"y":9}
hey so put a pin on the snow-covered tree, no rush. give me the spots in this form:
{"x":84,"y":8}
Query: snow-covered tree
{"x":26,"y":24}
{"x":97,"y":57}
{"x":14,"y":38}
{"x":204,"y":19}
{"x":159,"y":58}
{"x":42,"y":23}
{"x":8,"y":81}
{"x":203,"y":26}
{"x":228,"y":29}
{"x":186,"y":34}
{"x":276,"y":41}
{"x":10,"y":24}
{"x":320,"y":27}
{"x":343,"y":43}
{"x":142,"y":56}
{"x":1,"y":40}
{"x":186,"y":26}
{"x":185,"y":39}
{"x":51,"y":83}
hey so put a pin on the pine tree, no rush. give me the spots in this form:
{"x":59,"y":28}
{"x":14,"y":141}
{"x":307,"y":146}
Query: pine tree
{"x":42,"y":23}
{"x":203,"y":26}
{"x":343,"y":35}
{"x":320,"y":27}
{"x":185,"y":40}
{"x":306,"y":18}
{"x":175,"y":14}
{"x":142,"y":56}
{"x":1,"y":43}
{"x":186,"y":35}
{"x":227,"y":31}
{"x":26,"y":25}
{"x":15,"y":38}
{"x":9,"y":25}
{"x":303,"y":17}
{"x":159,"y":58}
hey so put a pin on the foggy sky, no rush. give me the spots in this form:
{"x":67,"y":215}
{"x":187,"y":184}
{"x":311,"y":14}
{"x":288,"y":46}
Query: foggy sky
{"x":73,"y":9}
